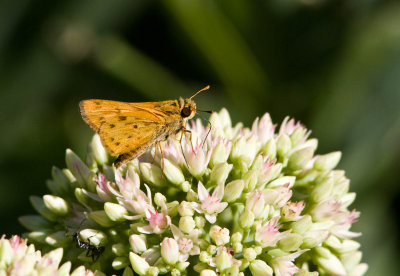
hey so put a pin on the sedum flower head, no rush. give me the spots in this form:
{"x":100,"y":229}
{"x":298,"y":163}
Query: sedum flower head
{"x":230,"y":201}
{"x":19,"y":258}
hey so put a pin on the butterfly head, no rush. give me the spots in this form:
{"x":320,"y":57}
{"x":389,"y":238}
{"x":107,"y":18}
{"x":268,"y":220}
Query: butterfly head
{"x":187,"y":108}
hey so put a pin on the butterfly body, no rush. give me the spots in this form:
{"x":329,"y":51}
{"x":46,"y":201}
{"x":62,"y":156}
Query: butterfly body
{"x":127,"y":130}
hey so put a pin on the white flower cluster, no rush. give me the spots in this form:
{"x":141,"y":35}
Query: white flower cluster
{"x":19,"y":259}
{"x":229,"y":201}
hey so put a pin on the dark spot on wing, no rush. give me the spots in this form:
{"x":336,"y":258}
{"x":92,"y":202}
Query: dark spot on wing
{"x":112,"y":125}
{"x":101,"y":118}
{"x":122,"y":118}
{"x":135,"y":126}
{"x":169,"y":112}
{"x":97,"y":103}
{"x":112,"y":139}
{"x":173,"y":104}
{"x":130,"y":136}
{"x":117,"y":143}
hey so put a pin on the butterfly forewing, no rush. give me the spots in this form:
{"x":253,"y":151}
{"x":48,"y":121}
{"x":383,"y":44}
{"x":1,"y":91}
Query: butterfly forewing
{"x":131,"y":128}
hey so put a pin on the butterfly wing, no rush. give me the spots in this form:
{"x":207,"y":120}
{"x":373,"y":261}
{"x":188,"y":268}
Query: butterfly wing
{"x":130,"y":128}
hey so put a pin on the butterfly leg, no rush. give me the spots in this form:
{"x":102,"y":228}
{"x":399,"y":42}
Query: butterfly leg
{"x":162,"y":157}
{"x":155,"y":153}
{"x":180,"y":141}
{"x":190,"y":137}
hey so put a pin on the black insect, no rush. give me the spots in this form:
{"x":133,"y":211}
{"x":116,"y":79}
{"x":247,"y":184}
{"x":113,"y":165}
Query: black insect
{"x":92,"y":250}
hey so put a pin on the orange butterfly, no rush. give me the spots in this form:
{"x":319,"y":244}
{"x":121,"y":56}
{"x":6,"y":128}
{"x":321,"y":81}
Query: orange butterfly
{"x":130,"y":129}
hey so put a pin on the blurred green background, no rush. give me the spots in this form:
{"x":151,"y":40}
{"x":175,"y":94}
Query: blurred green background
{"x":334,"y":65}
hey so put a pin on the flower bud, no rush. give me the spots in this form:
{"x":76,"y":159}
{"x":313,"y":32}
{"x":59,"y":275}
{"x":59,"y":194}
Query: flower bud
{"x":41,"y":208}
{"x":283,"y":145}
{"x":185,"y":186}
{"x":255,"y":203}
{"x":119,"y":249}
{"x":220,"y":153}
{"x":115,"y":211}
{"x":56,"y":204}
{"x":185,"y":209}
{"x":197,"y":162}
{"x":139,"y":265}
{"x":138,"y":243}
{"x":82,"y":196}
{"x":299,"y":135}
{"x":237,"y":237}
{"x":219,"y":235}
{"x":120,"y":262}
{"x":350,"y":260}
{"x":233,"y":190}
{"x":244,"y":150}
{"x":65,"y":269}
{"x":101,"y":218}
{"x":211,"y":249}
{"x":172,"y":208}
{"x":96,"y":237}
{"x":204,"y":257}
{"x":328,"y":161}
{"x":187,"y":224}
{"x":77,"y":167}
{"x":269,"y":149}
{"x":172,"y":172}
{"x":281,"y":181}
{"x":191,"y":196}
{"x":299,"y":159}
{"x":291,"y":242}
{"x":246,"y":219}
{"x":329,"y":262}
{"x":322,"y":189}
{"x":223,"y":259}
{"x":249,"y":254}
{"x":237,"y":247}
{"x":220,"y":173}
{"x":200,"y":221}
{"x":291,"y":210}
{"x":314,"y":238}
{"x":159,"y":199}
{"x":302,"y":225}
{"x":208,"y":272}
{"x":152,"y":174}
{"x":169,"y":251}
{"x":250,"y":180}
{"x":62,"y":179}
{"x":181,"y":266}
{"x":99,"y":152}
{"x":258,"y":249}
{"x":341,"y":247}
{"x":57,"y":239}
{"x":37,"y":236}
{"x":260,"y":268}
{"x":153,"y":271}
{"x":233,"y":271}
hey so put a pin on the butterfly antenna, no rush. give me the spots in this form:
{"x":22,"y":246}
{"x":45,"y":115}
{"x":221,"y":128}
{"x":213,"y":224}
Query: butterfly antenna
{"x":205,"y":88}
{"x":80,"y":224}
{"x":208,"y":132}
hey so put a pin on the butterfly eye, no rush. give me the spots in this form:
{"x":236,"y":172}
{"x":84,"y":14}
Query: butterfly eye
{"x":186,"y":112}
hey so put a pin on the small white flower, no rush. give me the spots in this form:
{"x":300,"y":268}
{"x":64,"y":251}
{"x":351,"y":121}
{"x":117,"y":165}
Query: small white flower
{"x":210,"y":205}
